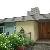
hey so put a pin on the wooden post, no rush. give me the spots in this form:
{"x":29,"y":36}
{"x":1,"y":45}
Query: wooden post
{"x":30,"y":35}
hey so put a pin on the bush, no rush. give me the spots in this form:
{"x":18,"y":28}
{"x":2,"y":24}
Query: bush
{"x":3,"y":42}
{"x":13,"y":41}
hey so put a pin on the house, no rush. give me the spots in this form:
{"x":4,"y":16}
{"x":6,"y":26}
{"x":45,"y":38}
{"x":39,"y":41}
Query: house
{"x":36,"y":26}
{"x":29,"y":23}
{"x":36,"y":23}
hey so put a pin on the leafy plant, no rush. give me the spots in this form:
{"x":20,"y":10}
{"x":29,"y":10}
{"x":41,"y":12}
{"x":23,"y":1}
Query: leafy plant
{"x":3,"y":41}
{"x":13,"y":41}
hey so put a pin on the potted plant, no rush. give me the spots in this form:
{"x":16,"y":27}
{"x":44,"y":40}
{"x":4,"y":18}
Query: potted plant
{"x":25,"y":43}
{"x":21,"y":42}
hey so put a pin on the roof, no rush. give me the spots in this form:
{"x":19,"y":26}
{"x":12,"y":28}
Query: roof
{"x":1,"y":20}
{"x":17,"y":19}
{"x":8,"y":20}
{"x":37,"y":17}
{"x":45,"y":16}
{"x":26,"y":18}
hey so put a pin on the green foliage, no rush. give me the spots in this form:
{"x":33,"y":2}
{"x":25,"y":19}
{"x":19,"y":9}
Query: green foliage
{"x":3,"y":42}
{"x":13,"y":41}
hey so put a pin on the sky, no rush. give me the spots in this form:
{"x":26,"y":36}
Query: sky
{"x":18,"y":8}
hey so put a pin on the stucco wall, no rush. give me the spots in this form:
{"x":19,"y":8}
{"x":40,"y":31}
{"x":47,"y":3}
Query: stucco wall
{"x":35,"y":25}
{"x":29,"y":26}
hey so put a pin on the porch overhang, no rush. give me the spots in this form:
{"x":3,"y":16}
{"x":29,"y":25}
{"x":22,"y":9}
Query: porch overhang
{"x":44,"y":20}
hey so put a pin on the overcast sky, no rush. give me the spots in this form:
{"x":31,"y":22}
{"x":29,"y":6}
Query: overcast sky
{"x":17,"y":8}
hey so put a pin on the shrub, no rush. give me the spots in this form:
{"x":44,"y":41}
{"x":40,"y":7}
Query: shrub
{"x":3,"y":42}
{"x":13,"y":41}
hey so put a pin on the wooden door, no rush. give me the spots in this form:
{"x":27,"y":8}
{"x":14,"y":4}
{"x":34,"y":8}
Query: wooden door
{"x":44,"y":30}
{"x":48,"y":30}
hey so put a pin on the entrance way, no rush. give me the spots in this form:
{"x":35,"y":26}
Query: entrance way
{"x":44,"y":30}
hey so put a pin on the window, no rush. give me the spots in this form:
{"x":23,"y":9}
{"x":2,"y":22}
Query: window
{"x":1,"y":29}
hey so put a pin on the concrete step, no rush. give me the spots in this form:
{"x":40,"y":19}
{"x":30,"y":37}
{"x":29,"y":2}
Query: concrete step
{"x":42,"y":45}
{"x":43,"y":41}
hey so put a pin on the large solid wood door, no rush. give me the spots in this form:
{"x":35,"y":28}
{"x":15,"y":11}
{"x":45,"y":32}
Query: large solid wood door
{"x":44,"y":30}
{"x":48,"y":30}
